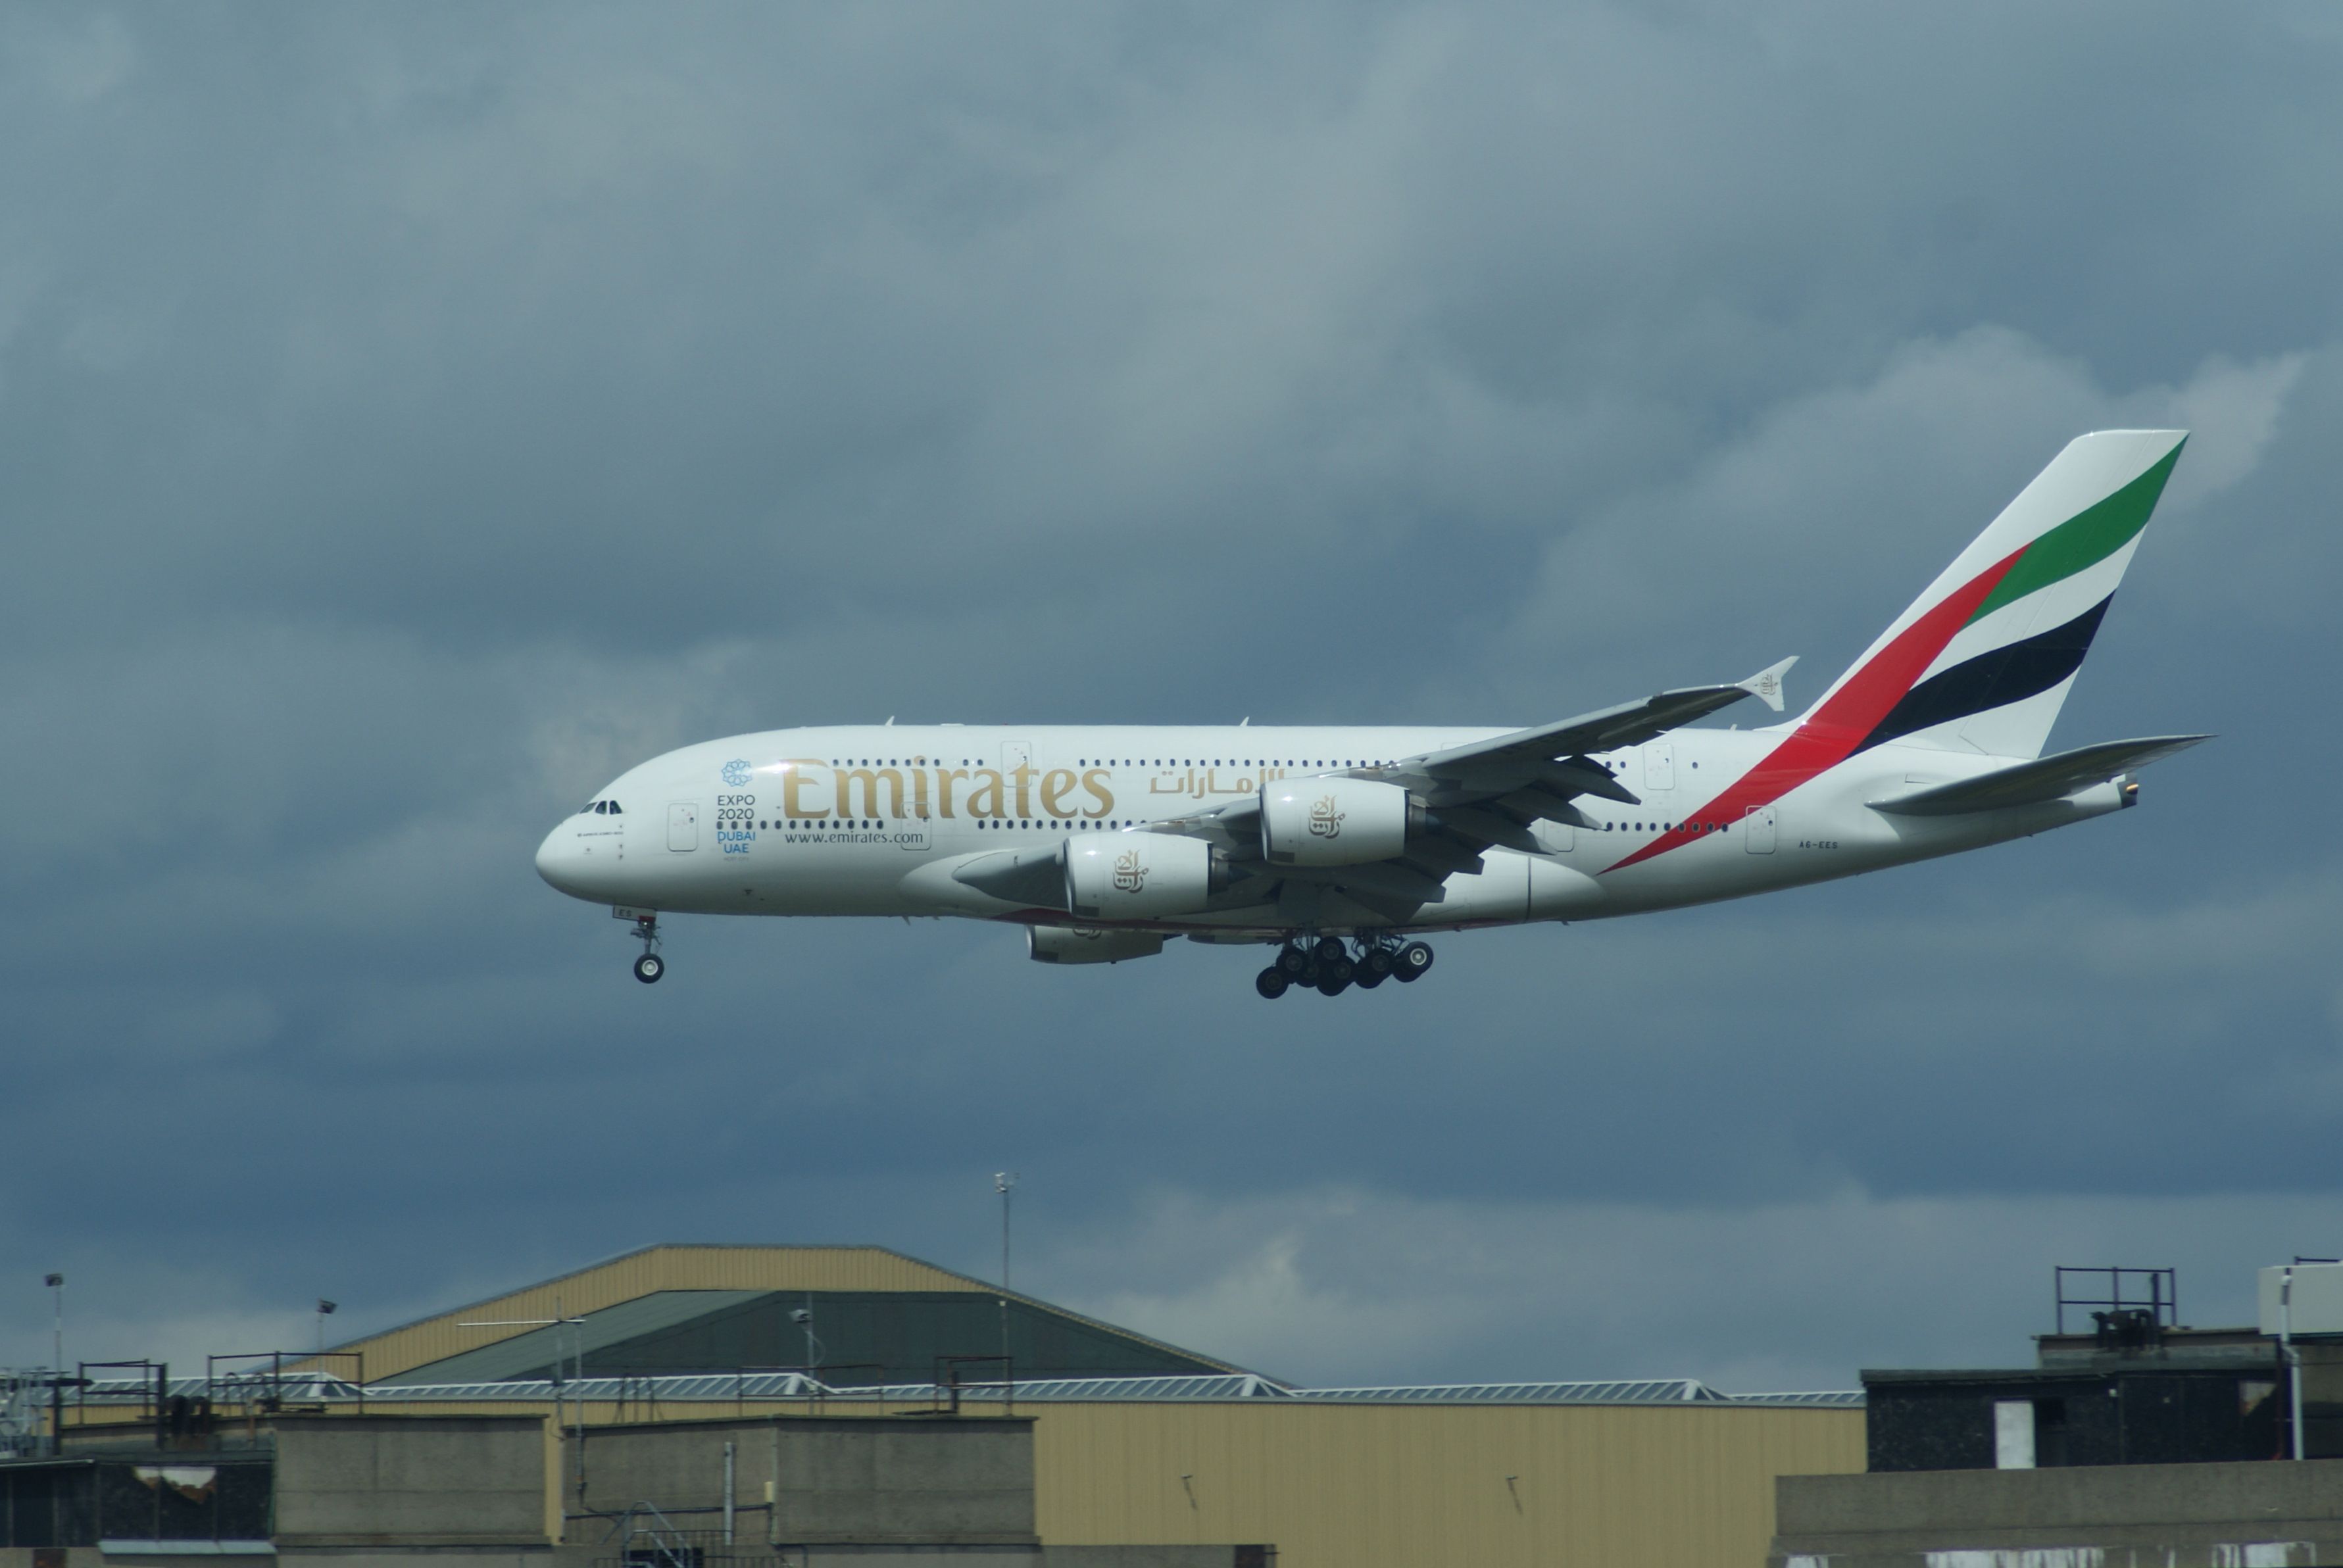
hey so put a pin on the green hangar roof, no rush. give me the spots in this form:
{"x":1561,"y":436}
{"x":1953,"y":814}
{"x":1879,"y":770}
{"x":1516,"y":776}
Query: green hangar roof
{"x":876,"y":1317}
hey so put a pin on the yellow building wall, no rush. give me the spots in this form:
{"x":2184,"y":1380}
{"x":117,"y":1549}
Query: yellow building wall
{"x":1403,"y":1486}
{"x":1366,"y":1485}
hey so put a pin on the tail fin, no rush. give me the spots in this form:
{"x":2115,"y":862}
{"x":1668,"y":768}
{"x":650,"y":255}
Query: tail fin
{"x":1983,"y":661}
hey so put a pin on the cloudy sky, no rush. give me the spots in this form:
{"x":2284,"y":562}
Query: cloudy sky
{"x":410,"y":416}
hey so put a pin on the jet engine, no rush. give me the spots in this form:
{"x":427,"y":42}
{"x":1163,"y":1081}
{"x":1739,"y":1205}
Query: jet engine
{"x":1137,"y":875}
{"x":1336,"y":821}
{"x":1090,"y":945}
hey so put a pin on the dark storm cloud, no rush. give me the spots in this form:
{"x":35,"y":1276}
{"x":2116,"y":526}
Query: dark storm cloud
{"x":410,"y":417}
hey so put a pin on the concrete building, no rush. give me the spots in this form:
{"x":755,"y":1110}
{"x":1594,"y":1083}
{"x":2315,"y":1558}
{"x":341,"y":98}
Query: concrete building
{"x":347,"y":1490}
{"x":2142,"y":1441}
{"x":2241,"y":1515}
{"x":343,"y":1489}
{"x":1134,"y":1445}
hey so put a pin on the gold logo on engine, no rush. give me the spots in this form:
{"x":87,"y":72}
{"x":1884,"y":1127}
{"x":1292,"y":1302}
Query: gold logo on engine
{"x":1325,"y":822}
{"x":1130,"y":876}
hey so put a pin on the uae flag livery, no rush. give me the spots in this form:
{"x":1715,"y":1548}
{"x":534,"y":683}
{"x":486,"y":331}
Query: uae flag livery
{"x":1981,"y":662}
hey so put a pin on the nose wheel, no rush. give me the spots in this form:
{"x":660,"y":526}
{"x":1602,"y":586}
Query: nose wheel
{"x":650,"y":966}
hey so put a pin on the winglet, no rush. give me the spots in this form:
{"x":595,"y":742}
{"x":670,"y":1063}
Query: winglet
{"x":1766,"y":686}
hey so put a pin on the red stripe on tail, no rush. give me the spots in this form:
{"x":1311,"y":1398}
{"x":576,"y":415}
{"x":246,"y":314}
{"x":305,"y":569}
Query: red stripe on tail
{"x":1831,"y":732}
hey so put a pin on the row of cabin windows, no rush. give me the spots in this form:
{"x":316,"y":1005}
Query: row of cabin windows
{"x":1127,"y":762}
{"x":1029,"y":824}
{"x":812,"y":824}
{"x":1139,"y":762}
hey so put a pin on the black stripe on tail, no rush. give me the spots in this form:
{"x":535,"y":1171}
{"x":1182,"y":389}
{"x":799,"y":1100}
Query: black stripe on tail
{"x":1993,"y":679}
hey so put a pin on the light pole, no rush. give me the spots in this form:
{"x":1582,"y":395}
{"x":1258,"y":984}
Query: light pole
{"x":56,"y":1283}
{"x":803,"y":1317}
{"x":1002,"y":1181}
{"x":325,"y":1309}
{"x":2292,"y":1358}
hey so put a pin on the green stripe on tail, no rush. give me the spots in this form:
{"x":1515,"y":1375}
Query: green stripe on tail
{"x":2088,"y":538}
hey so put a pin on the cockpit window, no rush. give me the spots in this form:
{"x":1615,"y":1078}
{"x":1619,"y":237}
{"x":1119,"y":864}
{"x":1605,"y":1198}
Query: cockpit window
{"x":615,"y":807}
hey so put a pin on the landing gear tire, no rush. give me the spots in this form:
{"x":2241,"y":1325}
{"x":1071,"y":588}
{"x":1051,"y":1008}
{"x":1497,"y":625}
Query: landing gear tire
{"x":650,"y":966}
{"x":1271,"y":982}
{"x":1291,"y":960}
{"x":1331,"y":948}
{"x":1375,"y":966}
{"x":1329,"y":986}
{"x":1342,"y":972}
{"x":1412,"y":961}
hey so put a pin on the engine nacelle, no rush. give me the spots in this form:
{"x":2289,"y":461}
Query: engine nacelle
{"x":1090,"y":945}
{"x":1138,"y":876}
{"x":1335,"y":822}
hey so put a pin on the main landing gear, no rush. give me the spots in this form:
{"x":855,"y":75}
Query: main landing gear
{"x":1327,"y":966}
{"x":650,"y":966}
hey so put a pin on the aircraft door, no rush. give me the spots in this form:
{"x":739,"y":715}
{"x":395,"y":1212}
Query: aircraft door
{"x":1757,"y":830}
{"x":1016,"y":754}
{"x":683,"y":826}
{"x":1660,"y":765}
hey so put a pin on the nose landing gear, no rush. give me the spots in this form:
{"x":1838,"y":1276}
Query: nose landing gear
{"x":650,"y":966}
{"x":1325,"y":965}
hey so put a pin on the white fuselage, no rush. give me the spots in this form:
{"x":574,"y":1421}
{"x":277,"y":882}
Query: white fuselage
{"x":874,"y":819}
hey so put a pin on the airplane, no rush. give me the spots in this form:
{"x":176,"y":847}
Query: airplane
{"x":1342,"y":846}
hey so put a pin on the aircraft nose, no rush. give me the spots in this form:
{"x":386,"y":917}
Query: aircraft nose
{"x":558,"y":860}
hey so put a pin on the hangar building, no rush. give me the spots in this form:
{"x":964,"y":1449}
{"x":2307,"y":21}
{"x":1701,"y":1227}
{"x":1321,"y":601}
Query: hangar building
{"x":1134,"y":1441}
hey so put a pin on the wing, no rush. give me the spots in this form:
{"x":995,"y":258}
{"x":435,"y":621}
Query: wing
{"x":1489,"y":792}
{"x":1555,"y":758}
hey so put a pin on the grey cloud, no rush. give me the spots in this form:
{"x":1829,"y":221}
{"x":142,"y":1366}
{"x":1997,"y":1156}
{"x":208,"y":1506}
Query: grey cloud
{"x":411,"y":418}
{"x":1335,"y":1286}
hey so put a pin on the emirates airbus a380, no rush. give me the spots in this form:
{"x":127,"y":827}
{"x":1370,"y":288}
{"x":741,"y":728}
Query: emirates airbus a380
{"x":1340,"y":847}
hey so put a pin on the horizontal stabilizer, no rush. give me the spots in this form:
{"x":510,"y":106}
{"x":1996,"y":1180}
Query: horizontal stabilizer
{"x":2044,"y":778}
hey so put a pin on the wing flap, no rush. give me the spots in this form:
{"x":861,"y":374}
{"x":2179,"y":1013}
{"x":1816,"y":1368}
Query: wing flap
{"x":1537,"y":803}
{"x":2044,"y":778}
{"x":1438,"y":855}
{"x":1383,"y":886}
{"x":1491,"y":827}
